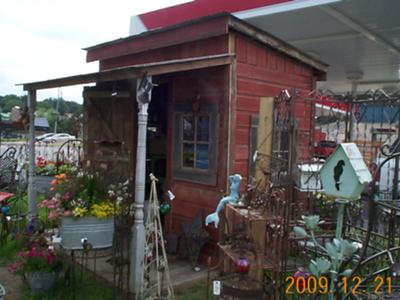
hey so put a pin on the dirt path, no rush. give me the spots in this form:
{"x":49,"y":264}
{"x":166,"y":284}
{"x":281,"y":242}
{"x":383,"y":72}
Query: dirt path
{"x":11,"y":283}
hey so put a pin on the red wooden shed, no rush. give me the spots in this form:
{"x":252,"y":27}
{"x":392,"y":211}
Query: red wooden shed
{"x":200,"y":117}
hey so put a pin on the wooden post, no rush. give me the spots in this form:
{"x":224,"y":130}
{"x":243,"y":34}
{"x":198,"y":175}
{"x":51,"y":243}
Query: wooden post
{"x":32,"y":205}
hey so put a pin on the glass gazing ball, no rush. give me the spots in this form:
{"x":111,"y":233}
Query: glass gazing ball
{"x":5,"y":210}
{"x":242,"y":265}
{"x":165,"y":208}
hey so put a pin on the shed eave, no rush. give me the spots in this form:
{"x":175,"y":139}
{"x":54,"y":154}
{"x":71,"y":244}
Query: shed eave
{"x":135,"y":71}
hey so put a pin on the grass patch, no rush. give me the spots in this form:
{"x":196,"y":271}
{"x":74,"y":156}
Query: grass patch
{"x":89,"y":288}
{"x":9,"y":250}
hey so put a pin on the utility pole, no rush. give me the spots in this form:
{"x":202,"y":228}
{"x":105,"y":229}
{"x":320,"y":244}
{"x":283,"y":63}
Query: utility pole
{"x":59,"y":97}
{"x":143,"y":97}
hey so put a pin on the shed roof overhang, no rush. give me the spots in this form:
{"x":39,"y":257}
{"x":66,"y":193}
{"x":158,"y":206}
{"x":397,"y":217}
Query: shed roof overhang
{"x":133,"y":72}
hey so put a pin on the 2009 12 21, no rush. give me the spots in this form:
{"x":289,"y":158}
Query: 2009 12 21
{"x":313,"y":285}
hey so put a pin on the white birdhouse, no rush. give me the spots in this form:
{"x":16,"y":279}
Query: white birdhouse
{"x":345,"y":173}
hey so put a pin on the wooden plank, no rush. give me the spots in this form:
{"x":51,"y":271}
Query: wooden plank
{"x":264,"y":134}
{"x":257,"y":73}
{"x":206,"y":47}
{"x":173,"y":35}
{"x":133,"y":72}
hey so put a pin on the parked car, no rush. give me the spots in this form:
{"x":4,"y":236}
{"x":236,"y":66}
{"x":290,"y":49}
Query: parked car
{"x":324,"y":149}
{"x":59,"y":137}
{"x":44,"y":136}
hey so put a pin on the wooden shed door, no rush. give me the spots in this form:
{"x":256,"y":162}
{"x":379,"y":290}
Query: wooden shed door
{"x":109,"y":126}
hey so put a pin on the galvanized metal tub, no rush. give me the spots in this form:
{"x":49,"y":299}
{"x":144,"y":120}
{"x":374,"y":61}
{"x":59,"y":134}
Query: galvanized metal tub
{"x":99,"y":232}
{"x":43,"y":184}
{"x":41,"y":282}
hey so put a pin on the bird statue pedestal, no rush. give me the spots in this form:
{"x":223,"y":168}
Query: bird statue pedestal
{"x":340,"y":217}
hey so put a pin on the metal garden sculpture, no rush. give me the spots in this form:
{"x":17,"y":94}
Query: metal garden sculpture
{"x":232,"y":198}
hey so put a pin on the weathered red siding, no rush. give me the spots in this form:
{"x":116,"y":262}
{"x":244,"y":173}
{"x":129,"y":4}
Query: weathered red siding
{"x":209,"y":85}
{"x":210,"y":46}
{"x":264,"y":72}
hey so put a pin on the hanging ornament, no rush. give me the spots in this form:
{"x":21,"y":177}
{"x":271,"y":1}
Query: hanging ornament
{"x":165,"y":208}
{"x":242,"y":265}
{"x":5,"y":210}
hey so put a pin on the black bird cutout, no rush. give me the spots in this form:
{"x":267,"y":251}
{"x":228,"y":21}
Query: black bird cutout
{"x":337,"y":172}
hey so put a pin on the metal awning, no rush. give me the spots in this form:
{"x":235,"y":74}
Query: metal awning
{"x":133,"y":72}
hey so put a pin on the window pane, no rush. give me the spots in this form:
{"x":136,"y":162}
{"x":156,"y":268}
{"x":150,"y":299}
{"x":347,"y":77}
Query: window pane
{"x":188,"y":155}
{"x":188,"y":128}
{"x":203,"y":128}
{"x":202,"y":156}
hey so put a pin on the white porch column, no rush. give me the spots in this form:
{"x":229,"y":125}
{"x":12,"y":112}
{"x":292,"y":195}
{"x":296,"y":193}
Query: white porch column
{"x":143,"y":97}
{"x":32,"y":205}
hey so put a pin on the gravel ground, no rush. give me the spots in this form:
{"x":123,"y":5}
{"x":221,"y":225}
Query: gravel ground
{"x":11,"y":283}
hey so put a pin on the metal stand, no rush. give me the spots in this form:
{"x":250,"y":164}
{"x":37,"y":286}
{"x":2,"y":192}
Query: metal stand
{"x":340,"y":217}
{"x":156,"y":283}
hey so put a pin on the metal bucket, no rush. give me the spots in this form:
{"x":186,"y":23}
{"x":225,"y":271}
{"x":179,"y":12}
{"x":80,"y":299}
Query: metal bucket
{"x":43,"y":184}
{"x":99,"y":232}
{"x":41,"y":282}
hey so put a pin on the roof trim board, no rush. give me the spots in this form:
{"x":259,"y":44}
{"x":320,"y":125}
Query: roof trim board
{"x":135,"y":71}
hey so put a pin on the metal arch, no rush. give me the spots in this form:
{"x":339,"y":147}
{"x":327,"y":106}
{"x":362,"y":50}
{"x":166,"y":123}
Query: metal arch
{"x":10,"y":152}
{"x":66,"y":143}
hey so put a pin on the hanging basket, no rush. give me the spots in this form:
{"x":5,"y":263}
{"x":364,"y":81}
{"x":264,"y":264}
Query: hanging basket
{"x":41,"y":282}
{"x":99,"y":232}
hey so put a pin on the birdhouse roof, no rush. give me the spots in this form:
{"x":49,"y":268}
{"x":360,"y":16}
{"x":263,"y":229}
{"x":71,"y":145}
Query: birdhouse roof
{"x":354,"y":156}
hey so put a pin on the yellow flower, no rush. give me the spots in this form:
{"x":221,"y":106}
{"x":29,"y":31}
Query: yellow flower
{"x":102,"y":210}
{"x":79,"y":211}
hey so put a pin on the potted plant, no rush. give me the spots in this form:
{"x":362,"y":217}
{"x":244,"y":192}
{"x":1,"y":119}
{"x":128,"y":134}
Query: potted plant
{"x":39,"y":264}
{"x":83,"y":208}
{"x":46,"y":170}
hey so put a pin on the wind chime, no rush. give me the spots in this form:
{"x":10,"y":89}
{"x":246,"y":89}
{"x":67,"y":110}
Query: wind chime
{"x":156,"y":283}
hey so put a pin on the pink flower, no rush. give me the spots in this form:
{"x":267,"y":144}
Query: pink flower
{"x":67,"y":213}
{"x":67,"y":196}
{"x":53,"y":215}
{"x":51,"y":258}
{"x":13,"y":267}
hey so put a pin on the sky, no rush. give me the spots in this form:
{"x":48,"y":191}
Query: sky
{"x":43,"y":39}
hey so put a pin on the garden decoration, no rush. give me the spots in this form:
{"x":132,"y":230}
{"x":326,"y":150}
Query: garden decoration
{"x":232,"y":198}
{"x":344,"y":176}
{"x":345,"y":165}
{"x":2,"y":292}
{"x":155,"y":262}
{"x":84,"y":208}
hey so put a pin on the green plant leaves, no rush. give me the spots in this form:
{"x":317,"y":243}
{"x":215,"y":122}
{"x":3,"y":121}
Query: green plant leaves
{"x":346,"y":273}
{"x":300,"y":232}
{"x":319,"y":266}
{"x":311,"y":222}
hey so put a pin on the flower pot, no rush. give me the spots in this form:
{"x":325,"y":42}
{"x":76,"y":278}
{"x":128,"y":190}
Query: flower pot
{"x":43,"y":184}
{"x":41,"y":282}
{"x":99,"y":232}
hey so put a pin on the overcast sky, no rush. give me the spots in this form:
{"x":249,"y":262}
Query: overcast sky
{"x":42,"y":39}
